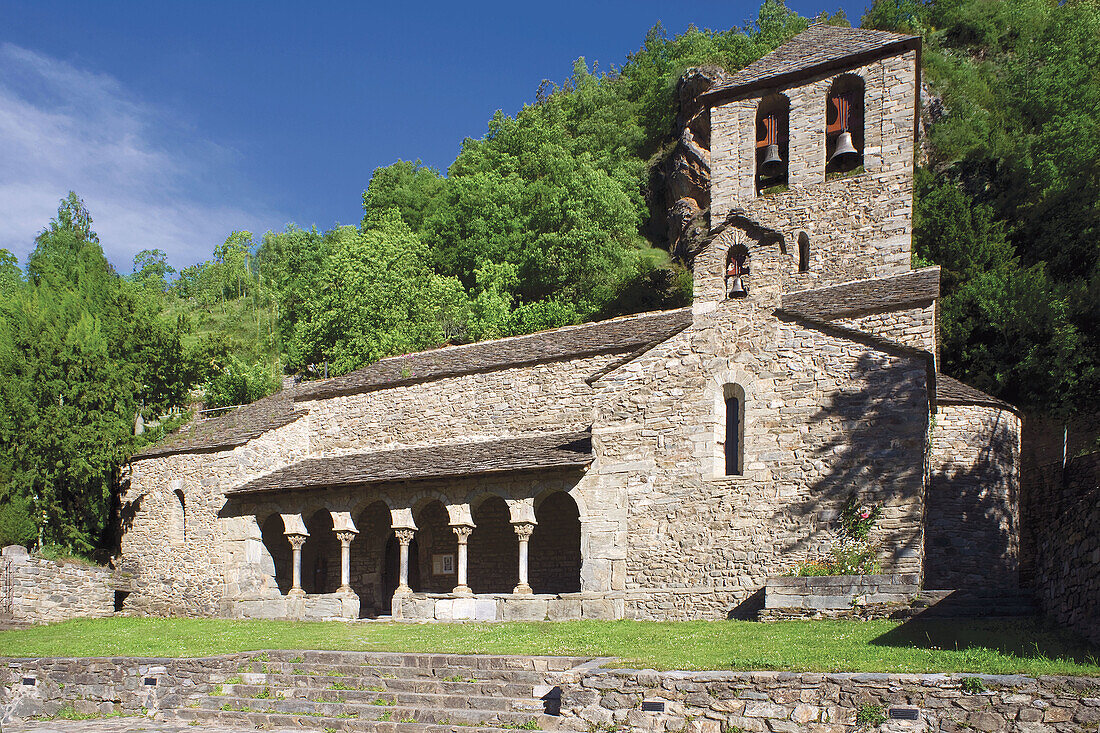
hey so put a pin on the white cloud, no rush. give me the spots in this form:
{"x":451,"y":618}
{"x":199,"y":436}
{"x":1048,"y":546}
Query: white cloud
{"x":142,"y":175}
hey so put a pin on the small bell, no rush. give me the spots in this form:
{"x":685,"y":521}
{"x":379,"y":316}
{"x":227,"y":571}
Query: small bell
{"x":737,"y":288}
{"x":772,"y":165}
{"x":844,"y":152}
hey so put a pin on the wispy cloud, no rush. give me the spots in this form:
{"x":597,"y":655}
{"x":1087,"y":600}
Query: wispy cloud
{"x":149,"y":181}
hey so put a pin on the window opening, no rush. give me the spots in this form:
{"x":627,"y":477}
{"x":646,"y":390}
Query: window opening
{"x":737,"y":271}
{"x":735,"y":429}
{"x":772,"y":120}
{"x":844,"y":126}
{"x":803,"y":252}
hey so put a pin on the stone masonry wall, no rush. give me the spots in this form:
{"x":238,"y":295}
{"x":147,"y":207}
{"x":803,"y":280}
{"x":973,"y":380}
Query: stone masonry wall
{"x":549,"y":397}
{"x":789,"y":702}
{"x":858,"y":226}
{"x":914,"y":327}
{"x":973,"y":513}
{"x":1067,"y":563}
{"x":824,"y":416}
{"x":48,"y":591}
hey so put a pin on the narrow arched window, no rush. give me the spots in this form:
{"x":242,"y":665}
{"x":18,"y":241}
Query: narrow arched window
{"x":844,"y":126}
{"x":735,"y":429}
{"x":178,"y":518}
{"x":772,"y":122}
{"x":803,"y":252}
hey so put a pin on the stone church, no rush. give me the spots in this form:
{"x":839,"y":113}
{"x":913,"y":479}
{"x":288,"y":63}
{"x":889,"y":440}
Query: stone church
{"x":654,"y":466}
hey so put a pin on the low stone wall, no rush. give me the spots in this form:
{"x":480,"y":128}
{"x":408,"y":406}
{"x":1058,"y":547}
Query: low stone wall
{"x":786,"y":702}
{"x":311,"y":607}
{"x":838,"y":596}
{"x":41,"y":687}
{"x":47,"y":591}
{"x":1067,"y":560}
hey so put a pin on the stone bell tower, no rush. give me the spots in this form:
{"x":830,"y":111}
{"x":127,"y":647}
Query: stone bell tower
{"x":811,"y":158}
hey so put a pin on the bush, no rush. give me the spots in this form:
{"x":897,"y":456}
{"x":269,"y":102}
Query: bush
{"x":17,"y":526}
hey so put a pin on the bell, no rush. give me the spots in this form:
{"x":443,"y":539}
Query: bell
{"x":737,"y":290}
{"x":844,"y":153}
{"x":772,"y":165}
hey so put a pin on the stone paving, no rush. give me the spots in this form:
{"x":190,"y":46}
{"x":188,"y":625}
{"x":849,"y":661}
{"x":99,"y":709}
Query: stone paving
{"x":121,"y":725}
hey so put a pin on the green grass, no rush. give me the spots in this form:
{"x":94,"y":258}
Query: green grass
{"x":990,"y":647}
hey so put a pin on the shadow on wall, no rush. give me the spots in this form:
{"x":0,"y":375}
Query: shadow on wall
{"x":871,"y":435}
{"x":971,"y":531}
{"x":1026,"y":639}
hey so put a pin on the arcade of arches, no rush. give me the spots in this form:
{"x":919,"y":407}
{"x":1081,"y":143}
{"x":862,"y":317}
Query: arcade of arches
{"x":377,"y":556}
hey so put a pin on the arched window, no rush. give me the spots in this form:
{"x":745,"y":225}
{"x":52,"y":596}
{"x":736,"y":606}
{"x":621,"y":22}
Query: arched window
{"x":177,"y":518}
{"x":772,"y":118}
{"x":735,"y":429}
{"x":844,"y":126}
{"x":803,"y":252}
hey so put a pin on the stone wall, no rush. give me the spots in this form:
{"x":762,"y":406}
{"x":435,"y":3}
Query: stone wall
{"x":48,"y":591}
{"x":788,"y":702}
{"x":1067,"y":563}
{"x":837,"y":596}
{"x":973,"y":520}
{"x":914,"y":327}
{"x":859,"y":226}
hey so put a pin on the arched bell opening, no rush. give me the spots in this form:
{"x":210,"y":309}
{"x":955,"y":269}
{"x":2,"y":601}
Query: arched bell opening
{"x":437,"y":549}
{"x":737,"y":271}
{"x":772,"y":133}
{"x":844,"y":116}
{"x":368,"y":559}
{"x":273,"y":535}
{"x":554,"y":557}
{"x":494,"y":548}
{"x":320,"y":555}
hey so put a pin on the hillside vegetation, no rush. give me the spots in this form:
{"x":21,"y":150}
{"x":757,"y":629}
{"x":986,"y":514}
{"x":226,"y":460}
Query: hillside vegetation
{"x":550,"y":219}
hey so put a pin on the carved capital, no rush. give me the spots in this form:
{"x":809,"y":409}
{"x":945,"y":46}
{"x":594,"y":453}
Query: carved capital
{"x":346,"y":537}
{"x":462,"y":532}
{"x":297,"y":540}
{"x":523,"y":531}
{"x":404,"y":536}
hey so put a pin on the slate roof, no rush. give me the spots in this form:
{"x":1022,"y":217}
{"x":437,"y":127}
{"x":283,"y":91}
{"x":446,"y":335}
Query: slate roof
{"x":611,"y":336}
{"x":562,"y":450}
{"x":230,"y":430}
{"x":865,"y":296}
{"x":814,"y":50}
{"x":953,"y":392}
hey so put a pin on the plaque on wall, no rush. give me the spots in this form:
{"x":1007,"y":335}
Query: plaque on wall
{"x":443,"y":564}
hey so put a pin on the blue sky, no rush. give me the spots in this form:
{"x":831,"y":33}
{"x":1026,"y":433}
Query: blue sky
{"x":180,"y":122}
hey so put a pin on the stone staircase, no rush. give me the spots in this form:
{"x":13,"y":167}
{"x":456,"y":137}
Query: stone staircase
{"x":974,"y":603}
{"x":391,"y":693}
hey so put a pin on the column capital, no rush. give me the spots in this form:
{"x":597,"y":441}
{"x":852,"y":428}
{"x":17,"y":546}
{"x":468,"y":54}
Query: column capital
{"x":404,"y":535}
{"x":346,"y":536}
{"x":297,"y":540}
{"x":524,"y":530}
{"x":462,"y":532}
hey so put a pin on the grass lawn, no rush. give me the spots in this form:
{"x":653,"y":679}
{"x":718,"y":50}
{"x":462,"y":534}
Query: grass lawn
{"x":993,"y":647}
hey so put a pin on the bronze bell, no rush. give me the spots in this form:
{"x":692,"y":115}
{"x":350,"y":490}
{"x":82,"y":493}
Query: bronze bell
{"x":844,"y":152}
{"x":737,"y":289}
{"x":772,"y":165}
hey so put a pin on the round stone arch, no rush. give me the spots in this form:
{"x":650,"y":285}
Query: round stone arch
{"x":715,"y":394}
{"x":493,"y":545}
{"x":555,"y":557}
{"x":374,"y":518}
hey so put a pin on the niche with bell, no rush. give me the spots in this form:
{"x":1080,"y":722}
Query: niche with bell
{"x":772,"y":119}
{"x":737,"y":271}
{"x":844,"y":126}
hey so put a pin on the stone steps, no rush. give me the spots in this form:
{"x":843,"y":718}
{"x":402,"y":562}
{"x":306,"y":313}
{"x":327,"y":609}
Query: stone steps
{"x":974,"y":604}
{"x":264,"y":693}
{"x":428,"y":711}
{"x":379,"y":691}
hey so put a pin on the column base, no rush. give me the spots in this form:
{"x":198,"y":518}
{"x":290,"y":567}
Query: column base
{"x":296,"y":593}
{"x":462,"y":590}
{"x":403,"y":590}
{"x":522,"y":590}
{"x":345,"y":590}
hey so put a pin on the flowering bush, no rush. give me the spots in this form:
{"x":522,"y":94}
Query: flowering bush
{"x":856,"y":520}
{"x":856,"y":554}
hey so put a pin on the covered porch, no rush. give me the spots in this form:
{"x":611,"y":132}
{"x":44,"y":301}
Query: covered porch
{"x":485,"y":531}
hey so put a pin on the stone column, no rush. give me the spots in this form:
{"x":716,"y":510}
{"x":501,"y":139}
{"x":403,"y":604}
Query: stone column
{"x":345,"y":537}
{"x":296,"y":542}
{"x":404,"y":536}
{"x":462,"y":532}
{"x":523,"y":531}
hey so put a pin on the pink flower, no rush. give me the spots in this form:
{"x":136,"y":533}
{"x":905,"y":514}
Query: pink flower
{"x":865,"y":514}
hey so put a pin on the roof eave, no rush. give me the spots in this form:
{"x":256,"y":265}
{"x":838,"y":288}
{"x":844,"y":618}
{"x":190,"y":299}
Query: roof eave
{"x":721,"y":95}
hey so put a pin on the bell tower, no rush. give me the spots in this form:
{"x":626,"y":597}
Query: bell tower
{"x":813,"y":145}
